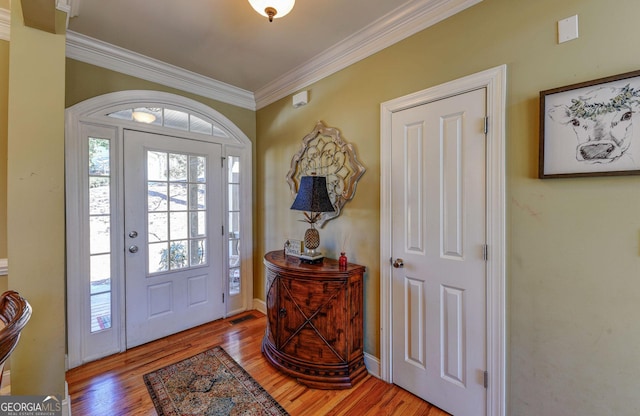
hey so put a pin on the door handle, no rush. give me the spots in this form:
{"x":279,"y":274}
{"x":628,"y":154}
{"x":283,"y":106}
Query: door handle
{"x":398,"y":264}
{"x":133,"y":249}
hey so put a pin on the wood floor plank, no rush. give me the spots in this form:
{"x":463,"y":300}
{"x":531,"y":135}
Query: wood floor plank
{"x":114,"y":385}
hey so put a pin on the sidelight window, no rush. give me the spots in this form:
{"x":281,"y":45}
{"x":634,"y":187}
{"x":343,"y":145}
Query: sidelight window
{"x":100,"y":233}
{"x":234,"y":225}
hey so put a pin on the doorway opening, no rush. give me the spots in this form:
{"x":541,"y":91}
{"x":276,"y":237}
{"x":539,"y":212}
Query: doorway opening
{"x":494,"y":81}
{"x":189,"y":199}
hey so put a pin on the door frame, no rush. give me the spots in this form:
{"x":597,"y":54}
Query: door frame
{"x":91,"y":117}
{"x":494,"y":80}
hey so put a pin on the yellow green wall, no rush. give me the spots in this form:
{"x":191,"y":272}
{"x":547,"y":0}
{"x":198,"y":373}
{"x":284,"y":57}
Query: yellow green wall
{"x":35,"y":195}
{"x":573,"y":244}
{"x":4,"y":102}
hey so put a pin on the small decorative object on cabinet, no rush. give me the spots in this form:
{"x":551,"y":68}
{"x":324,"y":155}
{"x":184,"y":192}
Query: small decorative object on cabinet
{"x":314,"y":321}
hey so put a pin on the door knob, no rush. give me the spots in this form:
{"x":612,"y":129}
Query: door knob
{"x":399,"y":263}
{"x":133,"y":234}
{"x":133,"y":249}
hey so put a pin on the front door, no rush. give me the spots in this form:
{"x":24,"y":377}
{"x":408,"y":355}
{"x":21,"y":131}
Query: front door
{"x":439,"y":236}
{"x":173,"y":210}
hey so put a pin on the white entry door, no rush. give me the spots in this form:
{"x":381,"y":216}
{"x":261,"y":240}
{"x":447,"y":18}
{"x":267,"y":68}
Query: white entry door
{"x":439,"y":235}
{"x":173,"y":264}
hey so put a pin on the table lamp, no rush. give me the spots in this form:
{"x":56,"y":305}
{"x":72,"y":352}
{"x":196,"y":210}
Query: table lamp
{"x":312,"y":198}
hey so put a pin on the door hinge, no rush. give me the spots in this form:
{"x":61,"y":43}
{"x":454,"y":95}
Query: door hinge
{"x":223,"y":158}
{"x":223,"y":302}
{"x":223,"y":230}
{"x":486,"y":379}
{"x":485,"y":252}
{"x":486,"y":125}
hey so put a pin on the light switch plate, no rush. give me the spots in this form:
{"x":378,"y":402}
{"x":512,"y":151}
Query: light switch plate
{"x":568,"y":29}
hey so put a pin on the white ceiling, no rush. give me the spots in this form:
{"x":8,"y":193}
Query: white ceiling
{"x":227,"y":41}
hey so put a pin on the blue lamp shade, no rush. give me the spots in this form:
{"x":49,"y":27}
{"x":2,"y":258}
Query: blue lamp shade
{"x":312,"y":195}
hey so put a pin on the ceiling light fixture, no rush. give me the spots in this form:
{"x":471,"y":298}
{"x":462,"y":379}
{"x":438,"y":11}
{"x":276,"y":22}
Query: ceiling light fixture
{"x":273,"y":8}
{"x":143,"y":117}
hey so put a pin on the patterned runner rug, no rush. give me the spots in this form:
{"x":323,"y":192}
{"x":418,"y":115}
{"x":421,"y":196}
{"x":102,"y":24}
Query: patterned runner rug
{"x":210,"y":383}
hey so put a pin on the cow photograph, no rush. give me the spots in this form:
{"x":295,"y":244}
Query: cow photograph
{"x":587,"y":129}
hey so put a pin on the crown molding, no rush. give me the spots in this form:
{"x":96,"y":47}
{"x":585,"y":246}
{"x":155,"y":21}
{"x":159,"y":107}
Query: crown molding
{"x":395,"y":26}
{"x":93,"y":51}
{"x":5,"y":24}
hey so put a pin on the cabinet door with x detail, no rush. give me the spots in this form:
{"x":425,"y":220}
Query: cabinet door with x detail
{"x":314,"y":329}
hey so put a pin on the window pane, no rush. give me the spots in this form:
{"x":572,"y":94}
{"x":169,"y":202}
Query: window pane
{"x":234,"y":197}
{"x":198,"y":196}
{"x":157,"y":165}
{"x":158,"y":226}
{"x":178,"y":225}
{"x":198,"y":224}
{"x":177,"y":167}
{"x":99,"y":234}
{"x":100,"y":267}
{"x":197,"y":169}
{"x":148,"y":115}
{"x":234,"y":169}
{"x":198,"y":125}
{"x":122,"y":114}
{"x":198,"y":252}
{"x":100,"y":312}
{"x":178,"y":256}
{"x":217,"y":131}
{"x":234,"y":281}
{"x":99,"y":195}
{"x":234,"y":252}
{"x":98,"y":157}
{"x":234,"y":224}
{"x":101,"y":286}
{"x":157,"y":196}
{"x":178,"y":197}
{"x":158,"y":257}
{"x":176,"y":119}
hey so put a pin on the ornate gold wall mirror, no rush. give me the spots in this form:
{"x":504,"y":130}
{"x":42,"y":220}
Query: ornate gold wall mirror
{"x":325,"y":153}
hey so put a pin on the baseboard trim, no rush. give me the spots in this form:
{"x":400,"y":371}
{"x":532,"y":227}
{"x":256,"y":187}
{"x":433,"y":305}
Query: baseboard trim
{"x":373,"y":364}
{"x":66,"y":402}
{"x":260,"y":305}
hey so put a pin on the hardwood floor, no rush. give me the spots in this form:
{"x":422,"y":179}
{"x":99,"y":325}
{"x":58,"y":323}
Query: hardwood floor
{"x":114,"y":386}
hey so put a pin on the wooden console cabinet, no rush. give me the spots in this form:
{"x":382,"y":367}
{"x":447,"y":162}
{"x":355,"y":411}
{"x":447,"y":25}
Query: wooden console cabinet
{"x":314,"y":321}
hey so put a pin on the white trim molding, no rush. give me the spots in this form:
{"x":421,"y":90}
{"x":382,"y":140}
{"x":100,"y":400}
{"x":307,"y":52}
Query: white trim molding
{"x":408,"y":19}
{"x":96,"y":52}
{"x":5,"y":24}
{"x":494,"y":80}
{"x":373,"y":364}
{"x":391,"y":28}
{"x":4,"y":267}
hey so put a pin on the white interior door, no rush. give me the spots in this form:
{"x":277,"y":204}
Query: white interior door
{"x":439,"y":236}
{"x":173,"y":244}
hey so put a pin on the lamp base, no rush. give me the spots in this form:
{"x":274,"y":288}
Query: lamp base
{"x":311,"y":258}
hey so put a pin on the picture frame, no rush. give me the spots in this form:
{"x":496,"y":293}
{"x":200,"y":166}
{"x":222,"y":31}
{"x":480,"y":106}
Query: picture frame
{"x":587,"y":129}
{"x":294,"y":247}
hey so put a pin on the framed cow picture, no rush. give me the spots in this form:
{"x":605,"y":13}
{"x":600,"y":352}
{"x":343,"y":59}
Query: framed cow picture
{"x":587,"y":129}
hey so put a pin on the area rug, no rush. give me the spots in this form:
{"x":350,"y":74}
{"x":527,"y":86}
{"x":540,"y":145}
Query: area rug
{"x":210,"y":383}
